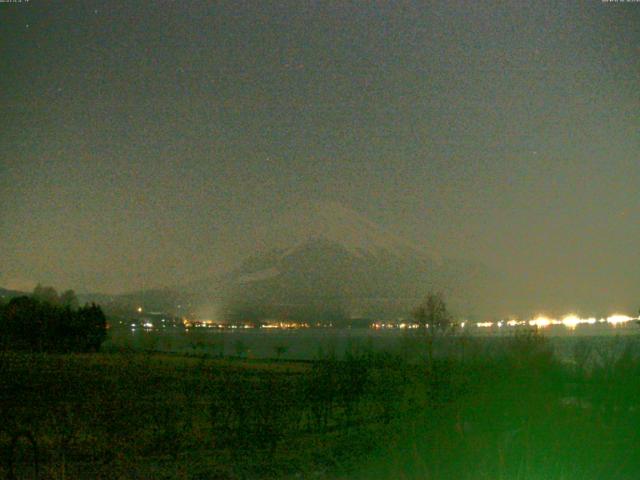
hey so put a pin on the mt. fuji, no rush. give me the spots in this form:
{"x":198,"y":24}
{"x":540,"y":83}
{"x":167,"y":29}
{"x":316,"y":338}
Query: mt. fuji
{"x":357,"y":234}
{"x":338,"y":264}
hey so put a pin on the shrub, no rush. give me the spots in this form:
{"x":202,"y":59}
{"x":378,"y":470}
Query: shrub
{"x":27,"y":323}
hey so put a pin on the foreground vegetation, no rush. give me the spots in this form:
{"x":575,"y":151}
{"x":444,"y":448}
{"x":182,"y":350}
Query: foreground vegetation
{"x":510,"y":411}
{"x":48,"y":322}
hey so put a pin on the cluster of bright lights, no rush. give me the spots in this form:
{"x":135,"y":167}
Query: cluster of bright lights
{"x":485,"y":324}
{"x":403,"y":325}
{"x":285,"y":325}
{"x":187,"y":323}
{"x":570,"y":321}
{"x":146,"y":325}
{"x":617,"y":319}
{"x":232,"y":326}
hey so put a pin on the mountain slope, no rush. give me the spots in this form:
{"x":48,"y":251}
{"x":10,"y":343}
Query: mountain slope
{"x":354,"y":232}
{"x":341,"y":264}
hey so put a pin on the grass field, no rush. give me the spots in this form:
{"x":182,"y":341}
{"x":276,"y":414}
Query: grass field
{"x":513,"y":412}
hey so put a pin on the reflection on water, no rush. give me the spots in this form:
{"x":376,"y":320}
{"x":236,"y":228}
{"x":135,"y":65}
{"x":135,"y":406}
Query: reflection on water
{"x":309,"y":343}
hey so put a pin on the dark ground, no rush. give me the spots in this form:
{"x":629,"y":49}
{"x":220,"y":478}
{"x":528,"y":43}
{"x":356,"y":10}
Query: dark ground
{"x":511,"y":412}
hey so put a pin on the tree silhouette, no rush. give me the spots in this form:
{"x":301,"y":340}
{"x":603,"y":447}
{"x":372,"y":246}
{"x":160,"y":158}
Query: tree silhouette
{"x":68,"y":299}
{"x":29,"y":323}
{"x":45,"y":294}
{"x":93,"y":325}
{"x":434,"y":320}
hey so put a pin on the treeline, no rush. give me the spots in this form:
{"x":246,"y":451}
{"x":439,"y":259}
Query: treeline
{"x":479,"y":408}
{"x":48,"y":322}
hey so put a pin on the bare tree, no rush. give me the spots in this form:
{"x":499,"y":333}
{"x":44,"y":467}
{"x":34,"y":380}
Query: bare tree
{"x":434,"y":320}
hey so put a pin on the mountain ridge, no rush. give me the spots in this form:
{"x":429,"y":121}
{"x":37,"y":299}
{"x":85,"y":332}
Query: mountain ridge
{"x":322,"y":274}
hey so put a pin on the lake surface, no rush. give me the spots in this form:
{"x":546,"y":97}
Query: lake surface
{"x":310,"y":343}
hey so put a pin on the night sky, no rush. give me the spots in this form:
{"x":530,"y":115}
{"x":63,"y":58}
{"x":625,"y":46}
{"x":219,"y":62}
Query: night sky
{"x":145,"y":143}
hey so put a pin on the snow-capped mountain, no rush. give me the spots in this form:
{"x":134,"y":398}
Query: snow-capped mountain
{"x":340,"y":264}
{"x":357,"y":234}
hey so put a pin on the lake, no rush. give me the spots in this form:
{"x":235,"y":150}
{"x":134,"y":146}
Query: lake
{"x":310,"y":343}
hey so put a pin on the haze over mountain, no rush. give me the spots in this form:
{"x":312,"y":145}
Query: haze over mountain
{"x":148,"y":147}
{"x":356,"y":233}
{"x":327,"y":260}
{"x":323,"y":259}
